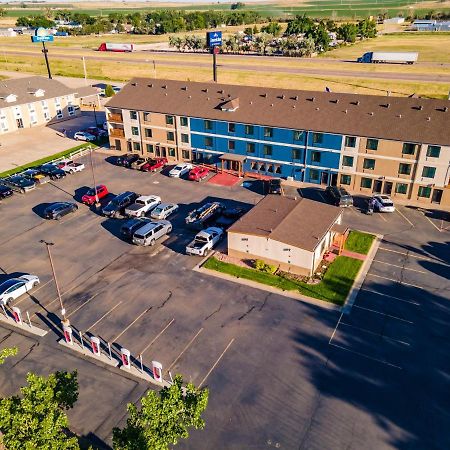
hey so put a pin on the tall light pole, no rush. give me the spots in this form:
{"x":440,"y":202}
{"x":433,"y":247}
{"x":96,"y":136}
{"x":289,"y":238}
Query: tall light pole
{"x":95,"y":115}
{"x":97,"y":201}
{"x":65,"y":320}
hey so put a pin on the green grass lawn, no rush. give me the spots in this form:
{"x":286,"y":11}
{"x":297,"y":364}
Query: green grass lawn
{"x":359,"y":242}
{"x":334,"y":287}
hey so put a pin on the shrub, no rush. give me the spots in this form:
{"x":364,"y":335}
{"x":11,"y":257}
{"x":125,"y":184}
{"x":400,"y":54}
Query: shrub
{"x":264,"y":267}
{"x":109,"y":91}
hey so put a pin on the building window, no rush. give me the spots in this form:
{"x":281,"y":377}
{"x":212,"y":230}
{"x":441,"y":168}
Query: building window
{"x":268,"y":132}
{"x":59,"y":114}
{"x":147,"y":116}
{"x":71,"y":110}
{"x":184,"y":121}
{"x":296,"y":154}
{"x":433,"y":151}
{"x":270,"y":168}
{"x":428,"y":172}
{"x":409,"y":149}
{"x":133,"y":115}
{"x":317,"y":138}
{"x":135,"y":131}
{"x":171,"y":152}
{"x":231,"y":145}
{"x":185,"y":154}
{"x":401,"y":188}
{"x":347,"y":161}
{"x":366,"y":183}
{"x":277,"y":168}
{"x":185,"y":138}
{"x":346,"y":179}
{"x":350,"y":141}
{"x":404,"y":169}
{"x":262,"y":167}
{"x":137,"y":146}
{"x":231,"y":127}
{"x":372,"y":144}
{"x":254,"y":165}
{"x":148,"y":132}
{"x":267,"y":150}
{"x":208,"y":141}
{"x":169,"y":120}
{"x":249,"y":130}
{"x":369,"y":164}
{"x":170,"y":136}
{"x":298,"y":135}
{"x":208,"y":125}
{"x":149,"y":148}
{"x":250,"y":147}
{"x":313,"y":175}
{"x":315,"y":156}
{"x":424,"y":191}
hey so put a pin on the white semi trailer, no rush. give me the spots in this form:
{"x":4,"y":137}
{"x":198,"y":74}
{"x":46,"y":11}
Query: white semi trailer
{"x":389,"y":57}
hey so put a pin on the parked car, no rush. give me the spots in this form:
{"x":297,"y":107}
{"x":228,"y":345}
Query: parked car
{"x":130,"y":226}
{"x":97,"y":132}
{"x":198,"y":173}
{"x":54,"y":172}
{"x":151,"y":232}
{"x":229,"y":216}
{"x":36,"y":176}
{"x":5,"y":191}
{"x":199,"y":218}
{"x":142,"y":205}
{"x":19,"y":183}
{"x":153,"y":165}
{"x":383,"y":203}
{"x":127,"y":160}
{"x":204,"y":241}
{"x":84,"y":136}
{"x":118,"y":204}
{"x":59,"y":209}
{"x":274,"y":186}
{"x":180,"y":169}
{"x":163,"y":211}
{"x":15,"y":287}
{"x":339,"y":196}
{"x":138,"y":163}
{"x":89,"y":197}
{"x":70,"y":166}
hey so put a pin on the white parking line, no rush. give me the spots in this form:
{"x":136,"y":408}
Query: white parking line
{"x":184,"y":349}
{"x":336,"y":327}
{"x":157,"y":336}
{"x":375,"y":334}
{"x":390,"y":296}
{"x":107,"y":313}
{"x":33,"y":292}
{"x":381,"y":217}
{"x":368,"y":357}
{"x":432,"y":223}
{"x":84,"y":304}
{"x":404,"y":217}
{"x":215,"y":364}
{"x":400,"y":267}
{"x":131,"y":324}
{"x":396,"y":281}
{"x":383,"y":314}
{"x":405,"y":254}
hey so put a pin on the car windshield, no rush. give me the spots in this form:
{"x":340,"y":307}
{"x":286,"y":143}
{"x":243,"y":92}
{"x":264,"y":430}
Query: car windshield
{"x":158,"y":209}
{"x":178,"y":168}
{"x":140,"y":202}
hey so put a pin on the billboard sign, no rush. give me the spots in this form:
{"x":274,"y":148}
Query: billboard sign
{"x":213,"y":38}
{"x":41,"y":35}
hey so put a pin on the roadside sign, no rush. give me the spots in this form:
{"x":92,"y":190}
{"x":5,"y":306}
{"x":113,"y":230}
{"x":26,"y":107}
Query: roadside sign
{"x":213,"y":38}
{"x":157,"y":371}
{"x":42,"y":35}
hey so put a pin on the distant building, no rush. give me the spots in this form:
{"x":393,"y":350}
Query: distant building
{"x":394,"y":20}
{"x":430,"y":25}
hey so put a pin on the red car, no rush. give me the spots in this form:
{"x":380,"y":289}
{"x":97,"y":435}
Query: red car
{"x":198,"y":173}
{"x":154,"y":164}
{"x":89,"y":197}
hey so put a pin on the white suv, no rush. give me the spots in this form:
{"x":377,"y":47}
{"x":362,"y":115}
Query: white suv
{"x":150,"y":232}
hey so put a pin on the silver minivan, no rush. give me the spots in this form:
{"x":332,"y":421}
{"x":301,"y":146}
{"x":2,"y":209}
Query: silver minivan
{"x":150,"y":232}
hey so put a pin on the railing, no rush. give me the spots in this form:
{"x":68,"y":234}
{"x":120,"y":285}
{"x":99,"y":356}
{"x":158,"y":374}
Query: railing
{"x":117,"y":132}
{"x":115,"y":118}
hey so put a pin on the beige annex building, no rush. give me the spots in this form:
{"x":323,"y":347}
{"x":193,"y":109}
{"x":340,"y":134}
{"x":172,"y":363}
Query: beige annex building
{"x":290,"y":233}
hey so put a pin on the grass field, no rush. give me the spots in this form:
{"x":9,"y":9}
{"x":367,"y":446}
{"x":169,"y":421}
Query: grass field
{"x":333,"y":288}
{"x":359,"y":242}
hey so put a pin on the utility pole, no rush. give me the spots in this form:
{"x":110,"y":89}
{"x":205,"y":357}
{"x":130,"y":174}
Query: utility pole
{"x":95,"y":115}
{"x":97,"y":201}
{"x":85,"y":72}
{"x":65,"y":320}
{"x":45,"y":51}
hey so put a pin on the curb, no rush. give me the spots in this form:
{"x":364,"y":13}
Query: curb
{"x":25,"y":327}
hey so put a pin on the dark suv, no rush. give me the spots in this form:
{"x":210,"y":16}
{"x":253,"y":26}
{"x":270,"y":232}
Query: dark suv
{"x":19,"y":183}
{"x":55,"y":173}
{"x":5,"y":191}
{"x":274,"y":186}
{"x":127,"y":160}
{"x":118,"y":204}
{"x":339,"y":196}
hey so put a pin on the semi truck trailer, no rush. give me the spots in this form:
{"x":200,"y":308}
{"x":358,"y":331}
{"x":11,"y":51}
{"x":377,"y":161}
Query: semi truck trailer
{"x":108,"y":47}
{"x":389,"y":57}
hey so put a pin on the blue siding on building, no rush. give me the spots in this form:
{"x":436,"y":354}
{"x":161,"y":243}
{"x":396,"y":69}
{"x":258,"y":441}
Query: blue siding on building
{"x":327,"y":159}
{"x":332,"y":141}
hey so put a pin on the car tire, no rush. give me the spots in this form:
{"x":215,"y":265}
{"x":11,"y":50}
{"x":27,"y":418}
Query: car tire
{"x":169,"y":230}
{"x":22,"y":191}
{"x":58,"y":217}
{"x":35,"y":283}
{"x":8,"y":301}
{"x":152,"y":243}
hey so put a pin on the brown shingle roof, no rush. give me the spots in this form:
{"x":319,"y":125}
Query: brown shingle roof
{"x":301,"y":222}
{"x":403,"y":119}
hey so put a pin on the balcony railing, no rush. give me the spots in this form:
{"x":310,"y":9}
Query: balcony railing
{"x":117,"y":132}
{"x":115,"y":118}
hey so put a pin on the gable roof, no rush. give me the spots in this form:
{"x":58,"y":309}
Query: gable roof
{"x":300,"y":222}
{"x":415,"y":120}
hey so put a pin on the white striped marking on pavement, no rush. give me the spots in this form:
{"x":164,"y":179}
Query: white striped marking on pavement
{"x":390,"y":296}
{"x":157,"y":336}
{"x":375,"y":334}
{"x":405,"y":254}
{"x":383,"y":314}
{"x":184,"y":349}
{"x":84,"y":304}
{"x":215,"y":364}
{"x":131,"y":324}
{"x":400,"y":267}
{"x":404,"y":217}
{"x":395,"y":281}
{"x":104,"y":315}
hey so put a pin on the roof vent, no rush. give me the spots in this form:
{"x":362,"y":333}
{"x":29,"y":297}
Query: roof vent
{"x":164,"y":86}
{"x":445,"y":109}
{"x":335,"y":101}
{"x":150,"y":85}
{"x":189,"y":96}
{"x":220,"y":91}
{"x":184,"y":88}
{"x":311,"y":99}
{"x":281,"y":96}
{"x":317,"y":109}
{"x":357,"y":102}
{"x":205,"y":90}
{"x":386,"y":105}
{"x":345,"y":111}
{"x":420,"y":107}
{"x":295,"y":97}
{"x":251,"y":103}
{"x":133,"y":84}
{"x":399,"y":116}
{"x":371,"y":113}
{"x":428,"y":119}
{"x":207,"y":98}
{"x":293,"y":106}
{"x":263,"y":95}
{"x":271,"y":104}
{"x":165,"y":93}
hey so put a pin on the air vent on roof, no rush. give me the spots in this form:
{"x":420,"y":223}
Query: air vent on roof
{"x":133,"y":84}
{"x":251,"y":103}
{"x":428,"y":119}
{"x":311,"y":99}
{"x":207,"y":98}
{"x":371,"y":113}
{"x":356,"y":103}
{"x":263,"y":95}
{"x":184,"y":88}
{"x":281,"y":96}
{"x":317,"y":109}
{"x":345,"y":111}
{"x":189,"y":96}
{"x":164,"y":86}
{"x":165,"y":93}
{"x":150,"y":85}
{"x":205,"y":90}
{"x":445,"y":109}
{"x":220,"y":91}
{"x":334,"y":101}
{"x":271,"y":104}
{"x":399,"y":116}
{"x":386,"y":105}
{"x":293,"y":106}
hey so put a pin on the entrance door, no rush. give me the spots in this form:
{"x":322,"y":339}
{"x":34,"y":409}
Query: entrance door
{"x":387,"y":188}
{"x":437,"y":196}
{"x":157,"y":151}
{"x":19,"y":123}
{"x":129,"y":148}
{"x":163,"y":152}
{"x":234,"y":165}
{"x":333,"y":179}
{"x":324,"y":178}
{"x":377,"y":186}
{"x":117,"y":144}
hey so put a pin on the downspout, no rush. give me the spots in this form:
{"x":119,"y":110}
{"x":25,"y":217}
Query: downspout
{"x":304,"y":157}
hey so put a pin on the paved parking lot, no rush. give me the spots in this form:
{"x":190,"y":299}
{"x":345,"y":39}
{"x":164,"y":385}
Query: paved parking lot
{"x":282,"y":373}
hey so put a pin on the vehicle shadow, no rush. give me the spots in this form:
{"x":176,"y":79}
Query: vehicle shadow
{"x":113,"y":226}
{"x":40,"y":208}
{"x":79,"y":192}
{"x":256,"y":186}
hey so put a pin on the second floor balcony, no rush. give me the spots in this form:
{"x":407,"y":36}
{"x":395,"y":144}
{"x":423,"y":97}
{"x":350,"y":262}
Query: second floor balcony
{"x":117,"y":132}
{"x":115,"y":117}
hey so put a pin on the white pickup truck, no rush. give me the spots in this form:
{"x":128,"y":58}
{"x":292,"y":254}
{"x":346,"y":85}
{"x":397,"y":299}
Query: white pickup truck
{"x":204,"y":241}
{"x":70,"y":166}
{"x":142,"y":205}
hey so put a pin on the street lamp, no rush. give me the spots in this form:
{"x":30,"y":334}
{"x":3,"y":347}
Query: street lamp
{"x":97,"y":201}
{"x":95,"y":115}
{"x":65,"y":320}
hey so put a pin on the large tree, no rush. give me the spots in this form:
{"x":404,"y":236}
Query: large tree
{"x":164,"y":418}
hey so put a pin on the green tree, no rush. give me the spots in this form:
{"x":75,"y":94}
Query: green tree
{"x":109,"y":91}
{"x":164,"y":418}
{"x":36,"y":419}
{"x":2,"y":12}
{"x":7,"y":352}
{"x":347,"y":32}
{"x":367,"y":29}
{"x":272,"y":28}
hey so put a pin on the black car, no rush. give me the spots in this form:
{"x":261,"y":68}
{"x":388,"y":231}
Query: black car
{"x":55,"y":173}
{"x":59,"y":209}
{"x":130,"y":226}
{"x":118,"y":204}
{"x":339,"y":196}
{"x":35,"y":175}
{"x":19,"y":183}
{"x":274,"y":186}
{"x":127,"y":160}
{"x":5,"y":191}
